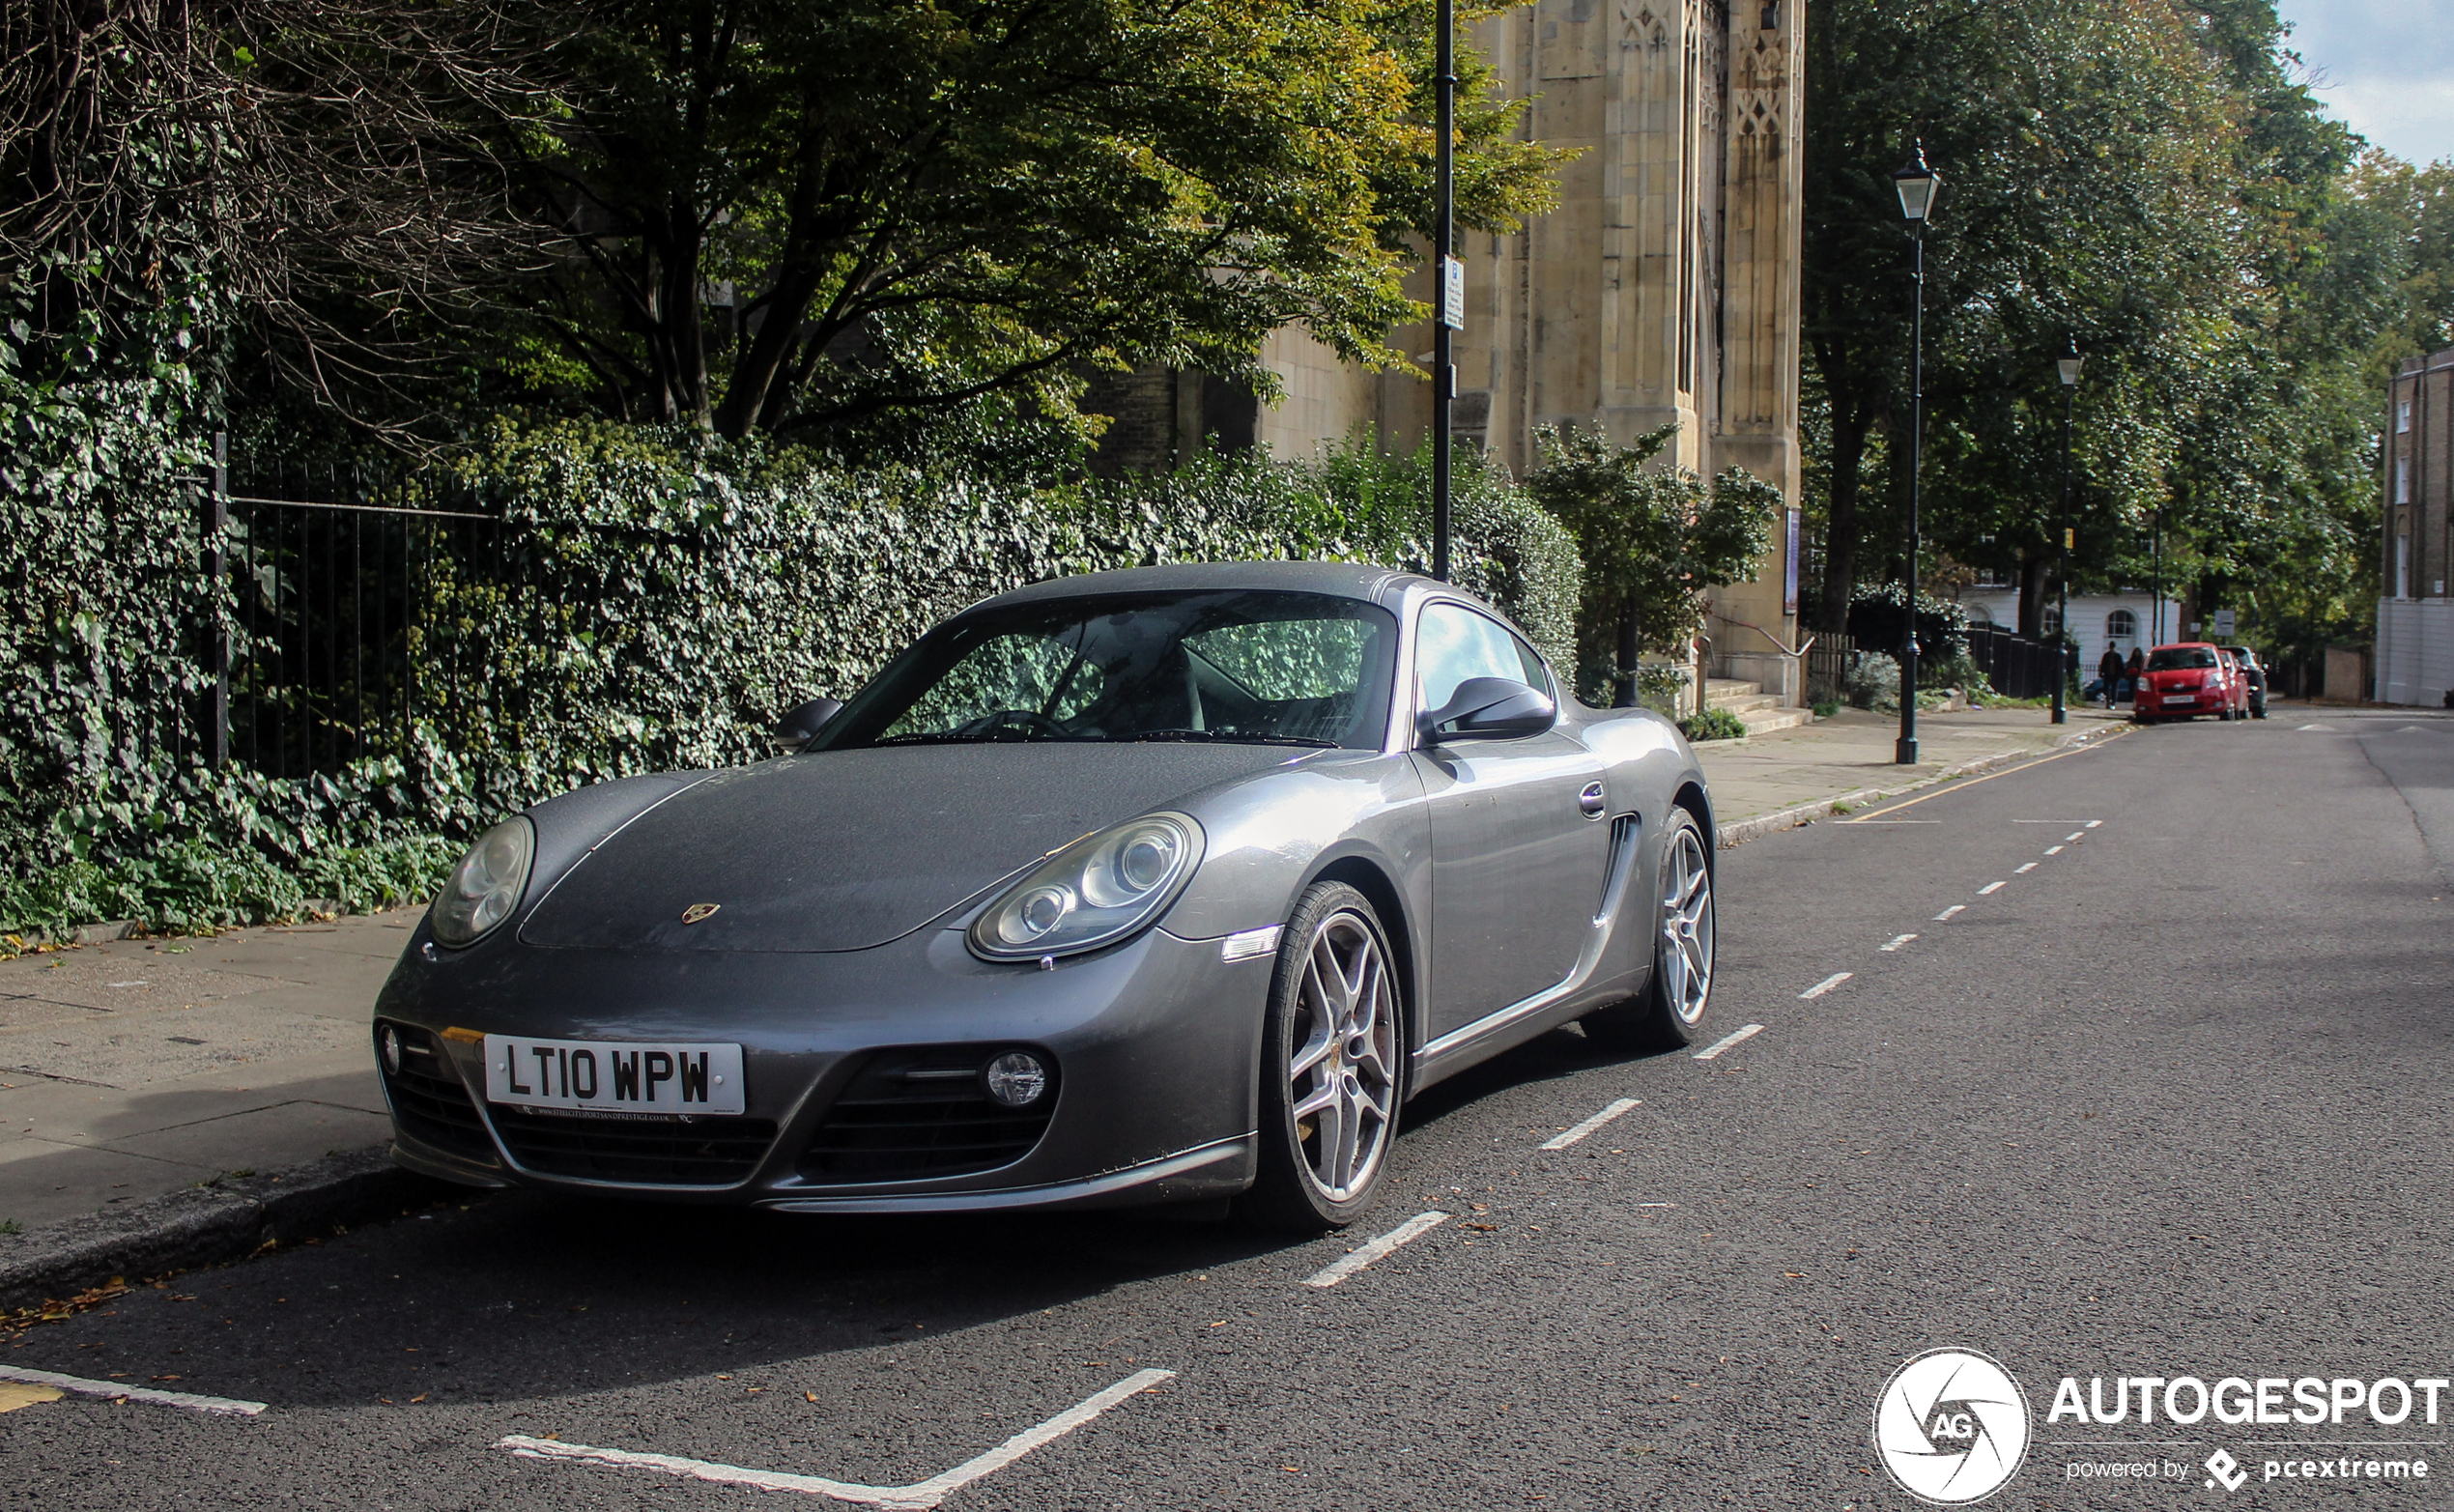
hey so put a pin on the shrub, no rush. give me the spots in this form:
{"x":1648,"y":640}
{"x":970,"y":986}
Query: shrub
{"x":1878,"y":615}
{"x":1871,"y":680}
{"x":1714,"y":725}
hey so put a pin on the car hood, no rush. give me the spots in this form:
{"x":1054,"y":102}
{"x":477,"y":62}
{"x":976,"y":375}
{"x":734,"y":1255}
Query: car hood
{"x":841,"y":850}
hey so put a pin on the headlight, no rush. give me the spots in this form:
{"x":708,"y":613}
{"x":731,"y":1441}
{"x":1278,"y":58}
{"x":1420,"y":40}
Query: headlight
{"x":1093,"y":893}
{"x":487,"y":884}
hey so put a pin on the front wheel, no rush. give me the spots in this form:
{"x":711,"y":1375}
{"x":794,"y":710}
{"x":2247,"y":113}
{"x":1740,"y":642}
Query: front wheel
{"x":1332,"y":1057}
{"x":1665,"y":1014}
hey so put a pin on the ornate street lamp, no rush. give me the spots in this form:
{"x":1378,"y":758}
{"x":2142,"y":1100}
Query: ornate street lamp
{"x":1916,"y":185}
{"x":2069,"y":363}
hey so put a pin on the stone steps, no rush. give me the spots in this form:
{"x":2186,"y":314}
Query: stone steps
{"x":1759,"y":711}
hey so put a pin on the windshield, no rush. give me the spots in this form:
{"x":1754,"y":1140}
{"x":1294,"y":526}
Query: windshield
{"x":1250,"y":668}
{"x":2180,"y":658}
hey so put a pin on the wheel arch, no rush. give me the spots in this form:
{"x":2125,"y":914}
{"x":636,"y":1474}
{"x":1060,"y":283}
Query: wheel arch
{"x":1693,"y":798}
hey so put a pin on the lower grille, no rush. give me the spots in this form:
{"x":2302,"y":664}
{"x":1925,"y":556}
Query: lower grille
{"x":428,"y":1100}
{"x":925,"y":1112}
{"x":704,"y":1152}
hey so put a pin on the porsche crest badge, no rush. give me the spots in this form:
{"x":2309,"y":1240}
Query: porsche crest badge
{"x":700,"y":913}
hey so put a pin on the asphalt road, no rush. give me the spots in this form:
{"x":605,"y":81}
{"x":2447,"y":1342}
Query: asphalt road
{"x":2171,"y":1102}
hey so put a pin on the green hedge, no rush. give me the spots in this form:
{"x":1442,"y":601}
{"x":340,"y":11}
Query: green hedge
{"x":663,"y":596}
{"x":670,"y":595}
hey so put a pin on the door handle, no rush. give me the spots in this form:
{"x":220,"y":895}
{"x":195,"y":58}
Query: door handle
{"x":1590,"y":802}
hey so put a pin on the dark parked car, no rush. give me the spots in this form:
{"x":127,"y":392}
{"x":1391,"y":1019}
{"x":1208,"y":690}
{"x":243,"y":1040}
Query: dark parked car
{"x":2256,"y":675}
{"x":1165,"y":886}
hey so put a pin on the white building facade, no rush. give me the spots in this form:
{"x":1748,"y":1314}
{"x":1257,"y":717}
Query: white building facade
{"x":2415,"y":615}
{"x":2121,"y":621}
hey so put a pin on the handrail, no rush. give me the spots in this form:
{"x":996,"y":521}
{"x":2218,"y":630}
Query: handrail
{"x":1728,"y":619}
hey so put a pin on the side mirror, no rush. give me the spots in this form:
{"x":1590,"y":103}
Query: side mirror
{"x":1488,"y":708}
{"x":798,"y":728}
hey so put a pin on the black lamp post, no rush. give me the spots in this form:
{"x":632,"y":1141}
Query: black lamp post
{"x":1916,"y":184}
{"x":2156,"y":578}
{"x":1448,"y":310}
{"x":2069,"y":363}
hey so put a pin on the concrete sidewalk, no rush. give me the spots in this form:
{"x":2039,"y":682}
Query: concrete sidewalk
{"x":1800,"y":773}
{"x":134,"y":1074}
{"x":139,"y":1067}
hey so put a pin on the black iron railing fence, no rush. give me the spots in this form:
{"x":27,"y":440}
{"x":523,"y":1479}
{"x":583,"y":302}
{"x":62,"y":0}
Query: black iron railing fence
{"x":329,"y":569}
{"x":2014,"y":668}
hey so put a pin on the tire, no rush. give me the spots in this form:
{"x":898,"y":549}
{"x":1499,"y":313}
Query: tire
{"x":1668,"y":1013}
{"x":1332,"y":1067}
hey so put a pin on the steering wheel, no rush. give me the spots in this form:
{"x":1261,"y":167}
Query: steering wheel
{"x":1017,"y":718}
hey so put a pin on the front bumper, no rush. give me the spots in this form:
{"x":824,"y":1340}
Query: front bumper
{"x":1155,"y":1043}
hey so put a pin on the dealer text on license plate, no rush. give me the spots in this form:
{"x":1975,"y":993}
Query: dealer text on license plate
{"x":610,"y":1076}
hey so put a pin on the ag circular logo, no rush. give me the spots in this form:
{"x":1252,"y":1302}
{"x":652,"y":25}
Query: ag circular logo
{"x":1952,"y":1427}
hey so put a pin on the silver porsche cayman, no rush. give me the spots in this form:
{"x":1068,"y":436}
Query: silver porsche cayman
{"x":1163,"y":886}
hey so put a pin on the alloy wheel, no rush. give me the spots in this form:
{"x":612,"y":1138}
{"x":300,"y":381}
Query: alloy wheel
{"x":1342,"y":1073}
{"x":1687,"y":928}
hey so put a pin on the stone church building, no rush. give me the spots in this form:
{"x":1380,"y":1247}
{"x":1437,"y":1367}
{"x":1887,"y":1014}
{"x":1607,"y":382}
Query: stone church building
{"x":1664,"y":288}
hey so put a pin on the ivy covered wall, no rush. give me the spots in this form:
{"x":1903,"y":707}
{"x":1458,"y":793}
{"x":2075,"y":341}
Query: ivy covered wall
{"x":659,"y":597}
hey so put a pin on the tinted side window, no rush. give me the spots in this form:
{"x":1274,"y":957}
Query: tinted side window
{"x":1453,"y":643}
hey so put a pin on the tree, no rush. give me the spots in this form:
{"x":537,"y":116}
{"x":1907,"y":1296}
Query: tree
{"x":176,"y":172}
{"x":1653,"y":541}
{"x":2147,"y":178}
{"x":788,"y":218}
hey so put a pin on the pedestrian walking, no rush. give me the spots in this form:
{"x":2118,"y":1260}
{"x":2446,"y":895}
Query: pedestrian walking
{"x":2109,"y":673}
{"x":2130,"y":673}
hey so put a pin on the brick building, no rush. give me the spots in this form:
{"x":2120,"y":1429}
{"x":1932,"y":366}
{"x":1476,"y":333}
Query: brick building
{"x":2416,"y":616}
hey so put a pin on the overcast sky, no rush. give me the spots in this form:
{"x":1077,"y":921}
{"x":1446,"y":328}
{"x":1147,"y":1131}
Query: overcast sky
{"x":2384,"y":66}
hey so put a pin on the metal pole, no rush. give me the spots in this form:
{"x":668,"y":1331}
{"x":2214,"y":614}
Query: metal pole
{"x":1904,"y":751}
{"x":217,"y":631}
{"x":1443,"y":370}
{"x":2156,"y":579}
{"x":2060,"y":563}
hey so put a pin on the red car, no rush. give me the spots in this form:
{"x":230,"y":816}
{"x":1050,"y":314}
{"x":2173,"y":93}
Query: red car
{"x":2190,"y":678}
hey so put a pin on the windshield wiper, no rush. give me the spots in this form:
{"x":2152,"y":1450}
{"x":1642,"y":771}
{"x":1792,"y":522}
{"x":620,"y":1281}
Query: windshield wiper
{"x":1227,"y":737}
{"x":988,"y":738}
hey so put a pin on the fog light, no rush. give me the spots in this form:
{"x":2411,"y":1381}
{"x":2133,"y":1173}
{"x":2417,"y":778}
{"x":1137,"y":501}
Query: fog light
{"x":1016,"y":1079}
{"x":387,"y":1041}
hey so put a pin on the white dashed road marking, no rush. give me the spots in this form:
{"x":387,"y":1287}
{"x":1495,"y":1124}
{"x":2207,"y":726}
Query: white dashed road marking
{"x":2025,"y":866}
{"x":2053,"y":850}
{"x":80,"y":1386}
{"x":1827,"y":983}
{"x":1948,"y":912}
{"x":1590,"y":1125}
{"x":1896,"y":942}
{"x":2073,"y":836}
{"x":1727,"y":1040}
{"x":1376,"y":1250}
{"x":918,"y":1495}
{"x":1990,"y":887}
{"x":2093,"y":823}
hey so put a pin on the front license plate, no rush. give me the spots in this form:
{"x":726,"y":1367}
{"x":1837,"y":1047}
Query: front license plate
{"x":2180,"y":698}
{"x":613,"y":1076}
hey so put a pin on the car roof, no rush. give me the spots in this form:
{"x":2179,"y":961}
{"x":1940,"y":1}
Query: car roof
{"x":1364,"y":582}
